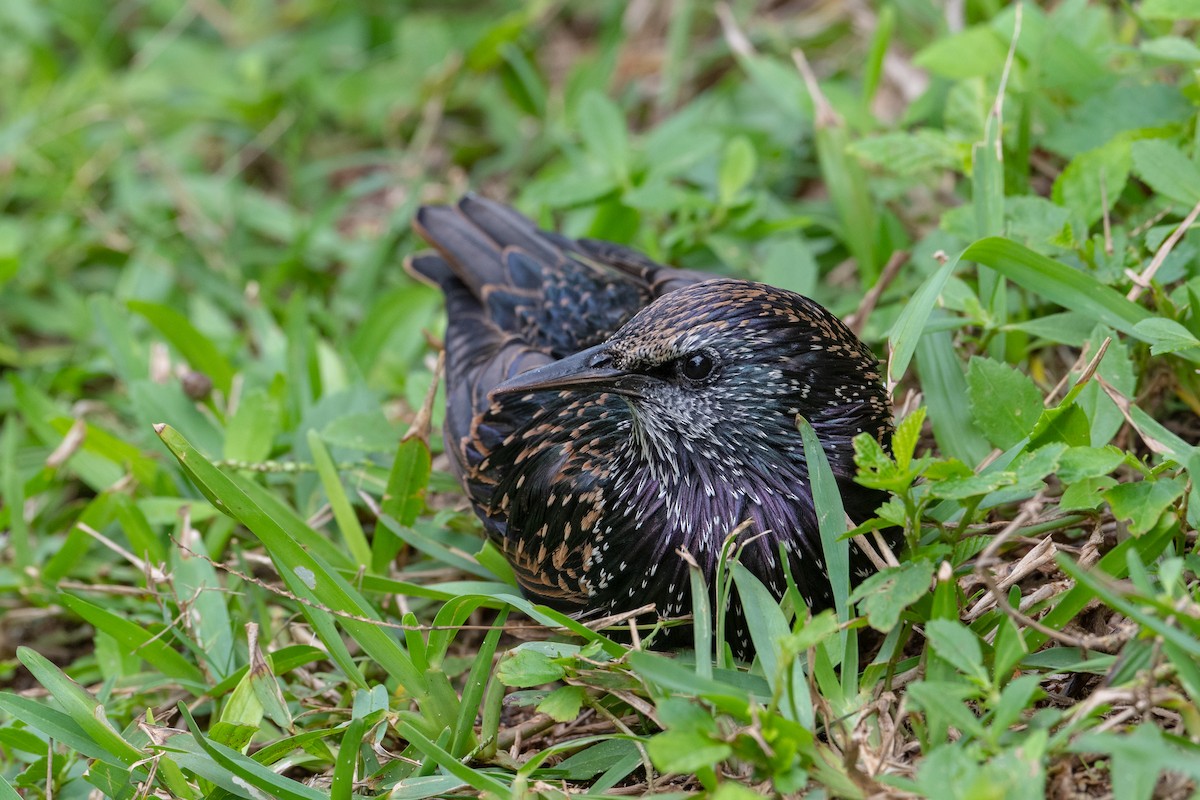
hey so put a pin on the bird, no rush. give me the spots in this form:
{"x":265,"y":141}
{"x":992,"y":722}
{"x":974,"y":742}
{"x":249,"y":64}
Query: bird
{"x":606,"y":413}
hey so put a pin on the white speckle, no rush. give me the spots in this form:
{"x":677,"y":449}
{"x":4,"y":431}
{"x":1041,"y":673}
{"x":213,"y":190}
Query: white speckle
{"x":308,"y":576}
{"x":251,"y":791}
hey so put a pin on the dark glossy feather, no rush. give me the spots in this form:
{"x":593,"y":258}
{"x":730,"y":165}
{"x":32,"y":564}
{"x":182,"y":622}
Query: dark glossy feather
{"x":604,"y":411}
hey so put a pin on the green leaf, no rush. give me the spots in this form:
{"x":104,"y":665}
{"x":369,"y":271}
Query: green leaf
{"x":199,"y":351}
{"x":738,"y":164}
{"x":1086,"y":494}
{"x":768,"y":628}
{"x":251,"y":430}
{"x":1058,"y":283}
{"x":248,"y":771}
{"x":945,"y":388}
{"x":1172,"y":48}
{"x":907,"y":436}
{"x":906,"y":154}
{"x":1169,"y":9}
{"x":81,"y":706}
{"x":63,"y":728}
{"x":975,"y":52}
{"x":884,"y":595}
{"x":602,"y":126}
{"x":1005,"y":403}
{"x":1167,"y":170}
{"x":525,"y":667}
{"x":1141,"y":503}
{"x":478,"y":779}
{"x":1078,"y":186}
{"x":409,"y":476}
{"x":847,"y":184}
{"x":366,"y":431}
{"x":1165,"y":336}
{"x":1066,"y":423}
{"x":910,"y":325}
{"x":1078,"y":463}
{"x":958,"y":645}
{"x":307,"y":576}
{"x":1138,"y":758}
{"x":148,"y":644}
{"x":948,"y":701}
{"x":686,"y":751}
{"x":342,"y":784}
{"x":831,"y":518}
{"x":344,"y":514}
{"x":563,"y":703}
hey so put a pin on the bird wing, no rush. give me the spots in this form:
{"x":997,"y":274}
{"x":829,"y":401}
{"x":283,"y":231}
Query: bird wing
{"x":517,"y":298}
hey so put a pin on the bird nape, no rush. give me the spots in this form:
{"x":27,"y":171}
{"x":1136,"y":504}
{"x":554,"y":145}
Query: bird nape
{"x":605,"y":412}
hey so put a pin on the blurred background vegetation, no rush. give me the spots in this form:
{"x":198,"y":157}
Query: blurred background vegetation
{"x":204,"y":206}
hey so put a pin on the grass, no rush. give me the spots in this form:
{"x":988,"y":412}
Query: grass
{"x":233,"y":566}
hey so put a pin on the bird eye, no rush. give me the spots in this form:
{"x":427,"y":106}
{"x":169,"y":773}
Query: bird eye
{"x":697,"y":366}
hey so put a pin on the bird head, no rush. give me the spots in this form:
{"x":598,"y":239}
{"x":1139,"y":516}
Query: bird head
{"x":723,"y":368}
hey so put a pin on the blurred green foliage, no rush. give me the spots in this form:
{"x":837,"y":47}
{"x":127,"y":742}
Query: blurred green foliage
{"x":203,"y":211}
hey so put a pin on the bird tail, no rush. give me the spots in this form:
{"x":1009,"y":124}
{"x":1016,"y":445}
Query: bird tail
{"x":430,"y":268}
{"x":474,"y":239}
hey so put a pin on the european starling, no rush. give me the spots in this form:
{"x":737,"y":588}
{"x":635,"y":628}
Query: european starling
{"x":604,"y":411}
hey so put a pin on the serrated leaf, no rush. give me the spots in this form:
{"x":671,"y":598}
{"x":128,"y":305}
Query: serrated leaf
{"x":884,"y":595}
{"x":1004,"y":402}
{"x":1078,"y":463}
{"x":524,"y":668}
{"x":685,"y":751}
{"x":1141,"y":503}
{"x":563,"y":703}
{"x":958,"y":645}
{"x":903,"y":153}
{"x":1086,"y":493}
{"x":1165,"y":336}
{"x":975,"y":51}
{"x":906,"y":437}
{"x":948,"y":701}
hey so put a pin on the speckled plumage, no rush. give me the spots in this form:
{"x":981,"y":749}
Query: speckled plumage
{"x":604,"y":411}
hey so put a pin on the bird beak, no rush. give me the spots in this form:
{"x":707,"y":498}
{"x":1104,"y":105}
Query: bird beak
{"x":586,"y":369}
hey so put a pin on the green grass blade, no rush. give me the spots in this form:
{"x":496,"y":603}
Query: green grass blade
{"x":1058,"y":283}
{"x":831,"y":518}
{"x":249,"y":771}
{"x":144,"y":642}
{"x":80,"y":706}
{"x":475,"y":686}
{"x":307,"y":576}
{"x":199,"y":351}
{"x":60,"y":727}
{"x":702,"y":621}
{"x":342,"y":785}
{"x":475,"y":778}
{"x":343,"y":511}
{"x":1119,"y":602}
{"x":768,"y":629}
{"x":910,"y":325}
